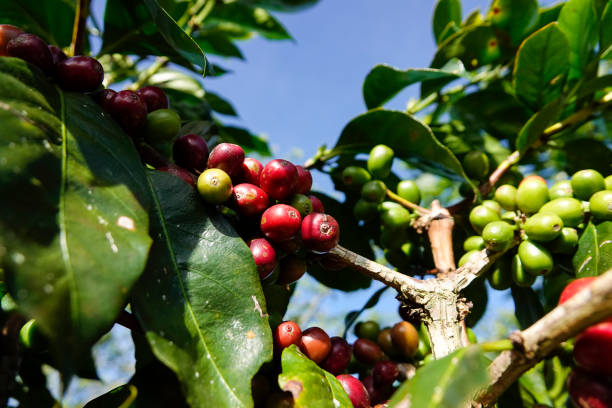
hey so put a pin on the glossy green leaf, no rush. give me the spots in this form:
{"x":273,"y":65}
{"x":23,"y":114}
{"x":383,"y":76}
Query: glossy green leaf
{"x":74,"y":233}
{"x":446,"y":12}
{"x":119,"y":397}
{"x":409,"y":138}
{"x":547,"y":15}
{"x":527,"y":306}
{"x":200,"y":301}
{"x":353,"y":237}
{"x":145,"y":28}
{"x":50,"y":20}
{"x":383,"y":82}
{"x":449,"y":382}
{"x":605,"y":29}
{"x":579,"y":22}
{"x":217,"y":44}
{"x":474,"y":45}
{"x":352,"y":316}
{"x":310,"y":385}
{"x":240,"y":16}
{"x":516,"y":17}
{"x":594,"y":254}
{"x":541,"y":64}
{"x":450,"y":29}
{"x":533,"y":386}
{"x":536,"y":125}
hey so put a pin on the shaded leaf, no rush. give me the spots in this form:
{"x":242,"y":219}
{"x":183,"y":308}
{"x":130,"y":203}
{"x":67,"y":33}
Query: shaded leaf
{"x":243,"y":17}
{"x":351,"y":317}
{"x":547,"y":15}
{"x":384,"y":82}
{"x":445,"y":13}
{"x":410,"y":139}
{"x":587,"y":154}
{"x":475,"y":45}
{"x":145,"y":28}
{"x":536,"y":125}
{"x":476,"y":293}
{"x":277,"y":300}
{"x":281,"y":5}
{"x":219,"y":104}
{"x":605,"y":31}
{"x":119,"y":397}
{"x":533,"y":386}
{"x":541,"y":63}
{"x":579,"y":22}
{"x":517,"y":17}
{"x":310,"y":385}
{"x":217,"y":44}
{"x":74,"y":232}
{"x":454,"y":378}
{"x":50,"y":20}
{"x":527,"y":306}
{"x":200,"y":301}
{"x":247,"y":140}
{"x":596,"y":84}
{"x":353,"y":237}
{"x":594,"y":254}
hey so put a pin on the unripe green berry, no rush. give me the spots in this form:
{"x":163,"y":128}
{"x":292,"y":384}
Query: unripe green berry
{"x":472,"y":243}
{"x":543,"y":227}
{"x":365,"y":210}
{"x":392,"y":238}
{"x":519,"y":275}
{"x":162,"y":126}
{"x":565,"y":243}
{"x":500,"y":277}
{"x":374,"y":191}
{"x":535,"y":259}
{"x":480,"y":216}
{"x":466,"y":257}
{"x":367,"y":330}
{"x":567,"y":208}
{"x":214,"y":185}
{"x":476,"y":165}
{"x":585,"y":183}
{"x":531,"y":194}
{"x":301,"y":203}
{"x":380,"y":161}
{"x":494,"y":205}
{"x":498,"y":235}
{"x":506,"y":196}
{"x":561,"y":189}
{"x":408,"y":190}
{"x":600,"y":205}
{"x":608,"y":182}
{"x":387,"y":205}
{"x":396,"y":218}
{"x":355,"y":177}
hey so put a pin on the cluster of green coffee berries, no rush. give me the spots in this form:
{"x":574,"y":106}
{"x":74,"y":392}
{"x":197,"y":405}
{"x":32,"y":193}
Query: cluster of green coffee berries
{"x":396,"y":237}
{"x":545,"y":220}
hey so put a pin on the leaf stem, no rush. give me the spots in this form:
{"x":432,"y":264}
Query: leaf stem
{"x":497,"y":346}
{"x":145,"y":75}
{"x":418,"y":209}
{"x":79,"y":28}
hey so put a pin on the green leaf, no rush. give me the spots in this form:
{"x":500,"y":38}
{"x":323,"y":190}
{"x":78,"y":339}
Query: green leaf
{"x":579,"y":22}
{"x":450,"y":382}
{"x":351,"y":317}
{"x":353,"y":237}
{"x":200,"y":301}
{"x":50,"y":20}
{"x":247,"y":140}
{"x":277,"y":301}
{"x":536,"y":125}
{"x":605,"y":30}
{"x":145,"y":28}
{"x":527,"y":306}
{"x":533,"y":383}
{"x":516,"y":17}
{"x":410,"y":139}
{"x":383,"y":82}
{"x":582,"y":153}
{"x":446,"y":12}
{"x":74,"y":232}
{"x":281,"y":5}
{"x":219,"y":104}
{"x":588,"y":88}
{"x":239,"y":16}
{"x":475,"y":45}
{"x":119,"y":397}
{"x":310,"y":385}
{"x":541,"y":63}
{"x":217,"y":44}
{"x":594,"y":254}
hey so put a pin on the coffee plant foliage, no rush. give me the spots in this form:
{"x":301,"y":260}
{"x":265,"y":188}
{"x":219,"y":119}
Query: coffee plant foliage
{"x":89,"y":229}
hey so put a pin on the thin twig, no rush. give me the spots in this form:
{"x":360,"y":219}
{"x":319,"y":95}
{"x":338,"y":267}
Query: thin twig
{"x":410,"y":205}
{"x":79,"y":28}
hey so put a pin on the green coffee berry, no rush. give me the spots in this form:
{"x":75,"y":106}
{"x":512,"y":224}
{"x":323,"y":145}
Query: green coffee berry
{"x":543,"y":227}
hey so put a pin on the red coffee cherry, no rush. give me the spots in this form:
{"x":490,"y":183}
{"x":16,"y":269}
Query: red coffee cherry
{"x":179,"y":172}
{"x":191,"y":152}
{"x":589,"y":391}
{"x":80,"y":73}
{"x":385,"y":372}
{"x":292,"y":268}
{"x":304,"y":183}
{"x":248,"y":199}
{"x":153,"y":97}
{"x":377,"y":392}
{"x":7,"y":33}
{"x":264,"y":256}
{"x":128,"y":110}
{"x":317,"y":205}
{"x":104,"y":97}
{"x":574,"y":287}
{"x":32,"y":49}
{"x":320,"y":232}
{"x":57,"y":54}
{"x":315,"y":343}
{"x":279,"y":179}
{"x":593,"y":349}
{"x":367,"y":351}
{"x":250,"y":171}
{"x":227,"y":157}
{"x":286,"y":334}
{"x":355,"y":391}
{"x":339,"y":356}
{"x":280,"y":222}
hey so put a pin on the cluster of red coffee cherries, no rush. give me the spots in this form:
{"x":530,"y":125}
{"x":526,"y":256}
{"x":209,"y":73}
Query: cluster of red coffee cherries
{"x":590,"y":384}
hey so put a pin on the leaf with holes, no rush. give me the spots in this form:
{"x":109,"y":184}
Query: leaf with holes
{"x":74,"y":233}
{"x":594,"y":254}
{"x":310,"y":385}
{"x":200,"y":301}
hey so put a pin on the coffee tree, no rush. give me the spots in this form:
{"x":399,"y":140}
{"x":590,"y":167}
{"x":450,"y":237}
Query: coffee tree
{"x":137,"y":206}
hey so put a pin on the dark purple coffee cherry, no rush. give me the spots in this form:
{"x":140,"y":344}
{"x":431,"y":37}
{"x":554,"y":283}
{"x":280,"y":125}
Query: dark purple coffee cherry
{"x":191,"y":152}
{"x":128,"y":109}
{"x":153,"y":97}
{"x":104,"y":97}
{"x":385,"y":372}
{"x":7,"y":33}
{"x":80,"y":74}
{"x":32,"y":49}
{"x":57,"y":54}
{"x":339,"y":356}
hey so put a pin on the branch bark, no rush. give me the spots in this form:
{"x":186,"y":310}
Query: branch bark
{"x":79,"y":28}
{"x":586,"y":308}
